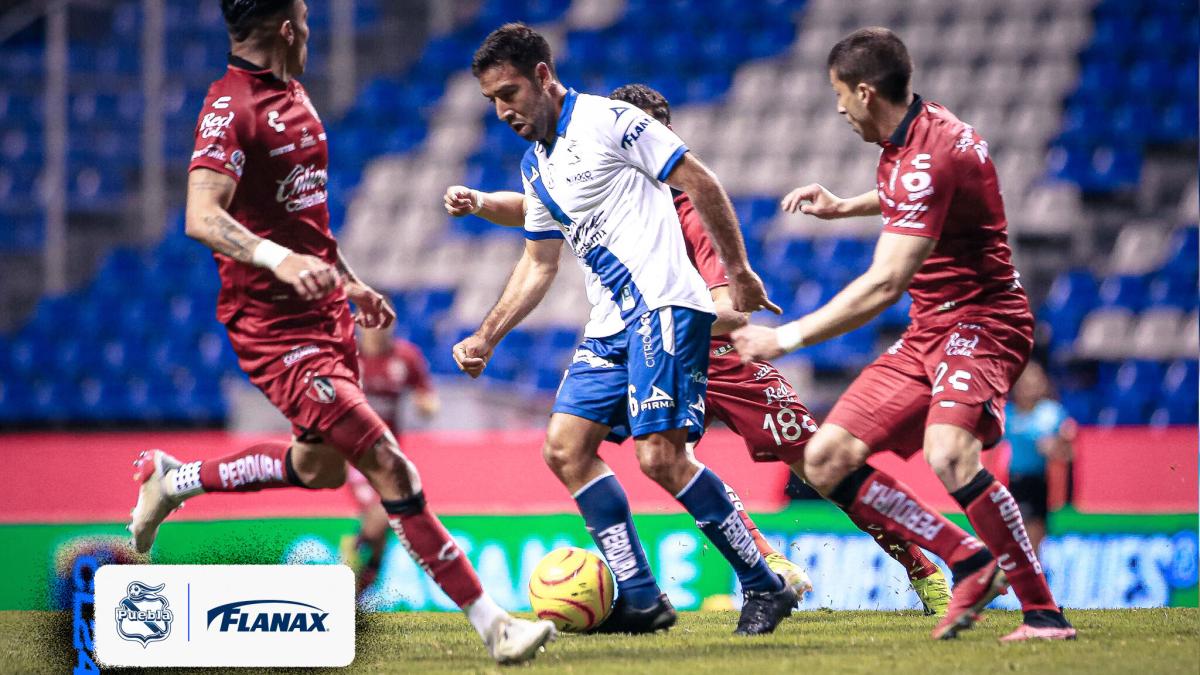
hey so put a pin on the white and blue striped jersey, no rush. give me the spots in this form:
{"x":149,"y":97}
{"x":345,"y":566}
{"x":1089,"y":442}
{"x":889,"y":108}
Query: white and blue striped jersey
{"x":600,"y":187}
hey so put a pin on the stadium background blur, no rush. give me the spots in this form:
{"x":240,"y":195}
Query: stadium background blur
{"x":106,"y":308}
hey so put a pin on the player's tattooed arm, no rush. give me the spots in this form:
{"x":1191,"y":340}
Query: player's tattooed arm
{"x":344,"y":267}
{"x":209,"y":194}
{"x":716,"y":212}
{"x":530,"y":280}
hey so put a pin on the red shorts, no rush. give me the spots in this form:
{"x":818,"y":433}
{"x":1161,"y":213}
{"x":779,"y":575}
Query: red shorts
{"x":958,"y":374}
{"x":760,"y":405}
{"x":307,"y":366}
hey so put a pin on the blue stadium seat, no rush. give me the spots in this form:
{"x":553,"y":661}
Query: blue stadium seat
{"x":1081,"y":404}
{"x":1125,"y":291}
{"x":1173,"y":290}
{"x":1183,"y":254}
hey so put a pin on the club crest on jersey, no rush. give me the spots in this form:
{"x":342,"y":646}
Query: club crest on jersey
{"x":144,"y":615}
{"x":321,"y":390}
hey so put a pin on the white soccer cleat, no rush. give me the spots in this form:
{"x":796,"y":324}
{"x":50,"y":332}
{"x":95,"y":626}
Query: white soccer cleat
{"x":153,"y":504}
{"x":513,"y":640}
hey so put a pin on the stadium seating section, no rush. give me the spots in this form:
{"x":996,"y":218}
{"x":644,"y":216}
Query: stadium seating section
{"x":139,"y":343}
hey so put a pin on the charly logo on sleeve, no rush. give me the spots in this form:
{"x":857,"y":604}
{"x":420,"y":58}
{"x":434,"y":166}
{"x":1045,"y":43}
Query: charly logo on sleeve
{"x":144,"y":615}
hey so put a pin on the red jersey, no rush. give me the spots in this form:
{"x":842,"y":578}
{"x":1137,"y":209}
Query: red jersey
{"x":704,"y":258}
{"x":266,"y":135}
{"x":386,"y":378}
{"x":936,"y":180}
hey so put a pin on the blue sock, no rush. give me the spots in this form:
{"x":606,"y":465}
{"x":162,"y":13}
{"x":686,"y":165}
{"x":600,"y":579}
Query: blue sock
{"x":605,"y":510}
{"x":705,"y":498}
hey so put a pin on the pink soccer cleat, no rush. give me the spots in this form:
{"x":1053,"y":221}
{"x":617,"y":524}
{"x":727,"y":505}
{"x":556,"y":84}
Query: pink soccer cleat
{"x":971,"y":595}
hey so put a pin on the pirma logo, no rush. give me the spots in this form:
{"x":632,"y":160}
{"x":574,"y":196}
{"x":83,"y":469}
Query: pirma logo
{"x":143,"y":615}
{"x":236,"y":619}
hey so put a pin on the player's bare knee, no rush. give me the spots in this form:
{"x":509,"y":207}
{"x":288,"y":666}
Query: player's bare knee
{"x":564,"y":458}
{"x":329,"y":474}
{"x":389,"y":470}
{"x":953,"y":454}
{"x":820,"y":459}
{"x":659,"y":460}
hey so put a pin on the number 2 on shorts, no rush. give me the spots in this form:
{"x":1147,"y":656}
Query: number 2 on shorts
{"x":957,"y":380}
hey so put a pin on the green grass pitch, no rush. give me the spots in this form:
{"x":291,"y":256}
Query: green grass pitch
{"x":1146,"y":642}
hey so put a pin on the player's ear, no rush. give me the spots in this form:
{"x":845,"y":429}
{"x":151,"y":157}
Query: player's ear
{"x":864,"y":92}
{"x":288,"y":32}
{"x":542,"y":72}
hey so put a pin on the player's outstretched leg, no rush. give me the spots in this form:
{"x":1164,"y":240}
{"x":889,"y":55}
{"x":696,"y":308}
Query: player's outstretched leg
{"x":793,"y":575}
{"x":767,"y":599}
{"x":375,"y":453}
{"x":165,"y":482}
{"x":570,"y":453}
{"x":835,"y":465}
{"x":924,"y":575}
{"x":953,"y":453}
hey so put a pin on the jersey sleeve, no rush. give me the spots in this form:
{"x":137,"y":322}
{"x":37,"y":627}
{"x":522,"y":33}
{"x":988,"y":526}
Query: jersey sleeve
{"x":539,"y":224}
{"x":700,"y":247}
{"x":643,"y":141}
{"x":926,"y":183}
{"x":222,"y":130}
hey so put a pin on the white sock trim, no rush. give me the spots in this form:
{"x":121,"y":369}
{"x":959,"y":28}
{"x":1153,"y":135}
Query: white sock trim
{"x":483,"y":613}
{"x":590,"y":483}
{"x":184,"y":481}
{"x":690,"y":483}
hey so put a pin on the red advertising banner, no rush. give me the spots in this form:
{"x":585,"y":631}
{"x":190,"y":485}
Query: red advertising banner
{"x":62,"y":477}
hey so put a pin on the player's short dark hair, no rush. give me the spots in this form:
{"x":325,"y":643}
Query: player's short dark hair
{"x":646,"y":98}
{"x":875,"y":56}
{"x":243,"y":16}
{"x":515,"y":44}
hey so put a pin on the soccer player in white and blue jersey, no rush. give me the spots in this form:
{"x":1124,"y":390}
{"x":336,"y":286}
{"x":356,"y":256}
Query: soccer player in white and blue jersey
{"x":597,"y":178}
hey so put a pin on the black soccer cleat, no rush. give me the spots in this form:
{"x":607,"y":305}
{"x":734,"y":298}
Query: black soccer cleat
{"x":763,"y":610}
{"x":625,"y":619}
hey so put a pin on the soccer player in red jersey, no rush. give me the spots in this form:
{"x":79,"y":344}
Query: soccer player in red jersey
{"x":942,"y":386}
{"x":257,"y":198}
{"x":391,"y":369}
{"x":753,"y":399}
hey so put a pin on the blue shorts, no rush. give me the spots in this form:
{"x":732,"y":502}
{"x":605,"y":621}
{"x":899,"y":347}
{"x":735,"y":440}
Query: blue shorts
{"x":650,"y":377}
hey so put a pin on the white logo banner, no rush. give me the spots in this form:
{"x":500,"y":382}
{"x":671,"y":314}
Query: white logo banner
{"x":225,"y":615}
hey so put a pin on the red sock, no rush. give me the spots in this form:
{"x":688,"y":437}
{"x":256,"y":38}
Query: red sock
{"x":878,"y":500}
{"x":916,"y":563}
{"x":994,"y":514}
{"x":257,"y":467}
{"x":430,"y":545}
{"x":764,"y":547}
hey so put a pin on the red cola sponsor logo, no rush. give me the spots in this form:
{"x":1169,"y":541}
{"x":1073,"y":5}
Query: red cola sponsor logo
{"x":959,"y":345}
{"x":214,"y":125}
{"x":304,"y":187}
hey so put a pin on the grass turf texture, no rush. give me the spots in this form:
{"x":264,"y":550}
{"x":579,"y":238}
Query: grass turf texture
{"x":1112,"y":641}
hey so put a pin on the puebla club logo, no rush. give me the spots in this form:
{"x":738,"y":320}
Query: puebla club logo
{"x":144,"y":615}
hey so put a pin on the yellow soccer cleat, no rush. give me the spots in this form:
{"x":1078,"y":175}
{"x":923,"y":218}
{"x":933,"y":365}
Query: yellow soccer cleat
{"x":934,"y":592}
{"x":793,"y":575}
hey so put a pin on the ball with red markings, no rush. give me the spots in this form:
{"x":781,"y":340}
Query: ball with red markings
{"x":573,"y":588}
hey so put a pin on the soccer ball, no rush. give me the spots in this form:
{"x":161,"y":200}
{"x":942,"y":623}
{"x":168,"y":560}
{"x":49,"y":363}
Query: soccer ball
{"x":572,"y":588}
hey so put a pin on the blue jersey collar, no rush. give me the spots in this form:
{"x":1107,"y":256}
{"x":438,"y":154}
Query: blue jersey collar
{"x":564,"y":118}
